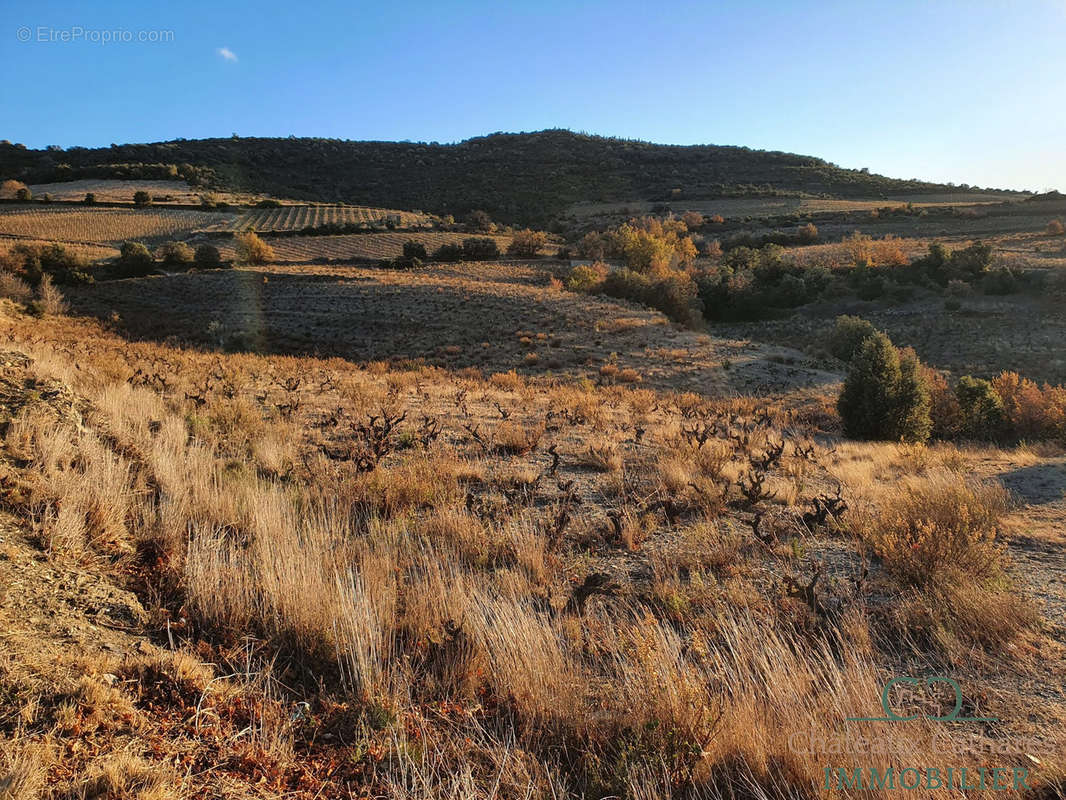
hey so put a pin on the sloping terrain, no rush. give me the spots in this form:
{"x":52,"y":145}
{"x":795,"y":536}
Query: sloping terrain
{"x":494,"y":317}
{"x":526,"y":178}
{"x":542,"y":586}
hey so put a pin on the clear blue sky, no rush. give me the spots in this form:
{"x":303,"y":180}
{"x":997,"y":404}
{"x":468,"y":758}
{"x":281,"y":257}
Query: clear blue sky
{"x":970,"y":92}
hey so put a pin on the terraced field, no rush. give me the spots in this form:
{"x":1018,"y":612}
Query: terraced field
{"x":104,"y":225}
{"x":294,"y":218}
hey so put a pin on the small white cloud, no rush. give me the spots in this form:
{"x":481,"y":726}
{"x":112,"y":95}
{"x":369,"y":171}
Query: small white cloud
{"x":227,"y":54}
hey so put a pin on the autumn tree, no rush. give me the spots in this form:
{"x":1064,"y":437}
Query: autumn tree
{"x":253,"y":250}
{"x":9,"y":189}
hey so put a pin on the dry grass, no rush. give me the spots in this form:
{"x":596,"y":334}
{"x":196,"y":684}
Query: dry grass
{"x":938,"y":527}
{"x":465,"y":614}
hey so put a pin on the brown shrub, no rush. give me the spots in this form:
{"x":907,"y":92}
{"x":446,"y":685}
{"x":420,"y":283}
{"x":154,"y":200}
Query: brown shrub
{"x":14,"y":288}
{"x":516,"y":439}
{"x":253,"y":250}
{"x":939,"y":528}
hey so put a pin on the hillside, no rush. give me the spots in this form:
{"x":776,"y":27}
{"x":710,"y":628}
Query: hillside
{"x":526,"y":178}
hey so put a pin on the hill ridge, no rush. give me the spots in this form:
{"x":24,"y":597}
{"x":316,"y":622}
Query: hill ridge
{"x":521,"y":178}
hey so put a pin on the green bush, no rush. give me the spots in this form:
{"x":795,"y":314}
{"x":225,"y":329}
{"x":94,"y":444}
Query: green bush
{"x":90,"y":199}
{"x":32,"y":262}
{"x":586,"y":278}
{"x":449,"y":252}
{"x":134,"y":260}
{"x":477,"y":248}
{"x":980,"y":408}
{"x":968,"y":264}
{"x":142,"y":198}
{"x":848,"y":336}
{"x":207,"y":257}
{"x":884,"y":396}
{"x":413,"y":249}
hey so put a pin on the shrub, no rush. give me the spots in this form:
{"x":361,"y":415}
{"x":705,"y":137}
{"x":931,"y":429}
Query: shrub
{"x":973,"y":261}
{"x":24,"y":194}
{"x":134,"y":260}
{"x":593,"y":246}
{"x":176,"y":254}
{"x":980,"y":408}
{"x":675,"y":293}
{"x":587,"y":278}
{"x":207,"y":256}
{"x":712,"y":249}
{"x":31,"y":261}
{"x":413,"y":249}
{"x":480,"y":249}
{"x":527,"y":243}
{"x":9,"y":189}
{"x":943,"y":404}
{"x":868,"y":284}
{"x":848,"y":336}
{"x":448,"y":252}
{"x":808,"y":234}
{"x":928,"y":530}
{"x":1056,"y":228}
{"x":49,"y":300}
{"x":1000,"y":281}
{"x":14,"y":288}
{"x":884,"y":396}
{"x":692,"y":220}
{"x":90,"y":199}
{"x":142,"y":198}
{"x":253,"y":250}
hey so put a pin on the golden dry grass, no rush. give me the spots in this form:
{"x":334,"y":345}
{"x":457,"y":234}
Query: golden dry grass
{"x":469,"y":612}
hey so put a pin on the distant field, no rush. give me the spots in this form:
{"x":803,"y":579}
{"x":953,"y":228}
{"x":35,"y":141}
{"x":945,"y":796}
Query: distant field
{"x":103,"y":225}
{"x":294,"y":218}
{"x":732,"y":208}
{"x":357,"y":246}
{"x":117,"y":191}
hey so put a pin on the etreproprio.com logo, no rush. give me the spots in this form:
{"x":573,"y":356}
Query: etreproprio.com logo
{"x":47,"y":34}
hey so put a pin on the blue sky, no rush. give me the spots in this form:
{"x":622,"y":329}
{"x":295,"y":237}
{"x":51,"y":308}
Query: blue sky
{"x":970,"y":92}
